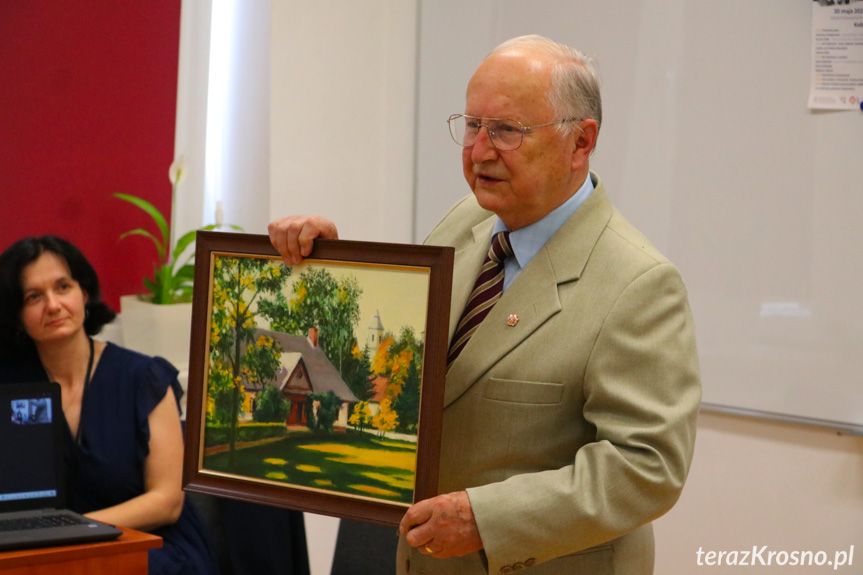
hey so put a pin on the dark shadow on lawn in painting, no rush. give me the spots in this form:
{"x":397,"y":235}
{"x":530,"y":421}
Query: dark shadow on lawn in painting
{"x":350,"y":464}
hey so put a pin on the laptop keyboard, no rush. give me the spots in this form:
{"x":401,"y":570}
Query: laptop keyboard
{"x":42,"y":521}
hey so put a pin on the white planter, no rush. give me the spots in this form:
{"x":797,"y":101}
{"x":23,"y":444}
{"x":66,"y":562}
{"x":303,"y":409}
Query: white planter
{"x":163,"y":330}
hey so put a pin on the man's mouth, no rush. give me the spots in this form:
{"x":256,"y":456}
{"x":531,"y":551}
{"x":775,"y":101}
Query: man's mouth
{"x":486,"y":179}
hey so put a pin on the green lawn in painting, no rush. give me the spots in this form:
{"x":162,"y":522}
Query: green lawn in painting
{"x":351,"y":464}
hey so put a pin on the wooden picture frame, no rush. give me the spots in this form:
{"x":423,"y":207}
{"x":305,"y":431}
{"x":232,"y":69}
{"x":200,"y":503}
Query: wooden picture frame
{"x":360,"y":440}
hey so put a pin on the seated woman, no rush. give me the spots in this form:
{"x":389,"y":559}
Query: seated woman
{"x":124,"y":443}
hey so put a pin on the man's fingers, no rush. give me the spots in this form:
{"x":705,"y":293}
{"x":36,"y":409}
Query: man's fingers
{"x":416,"y":514}
{"x":293,"y":236}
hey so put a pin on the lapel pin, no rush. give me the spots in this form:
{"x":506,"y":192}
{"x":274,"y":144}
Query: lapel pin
{"x":512,"y":320}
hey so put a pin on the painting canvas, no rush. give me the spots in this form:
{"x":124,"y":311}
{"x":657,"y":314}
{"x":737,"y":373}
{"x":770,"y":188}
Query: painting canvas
{"x":317,"y":386}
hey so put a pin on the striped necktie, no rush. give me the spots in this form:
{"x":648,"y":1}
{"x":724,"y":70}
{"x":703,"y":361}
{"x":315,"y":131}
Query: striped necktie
{"x":486,"y":292}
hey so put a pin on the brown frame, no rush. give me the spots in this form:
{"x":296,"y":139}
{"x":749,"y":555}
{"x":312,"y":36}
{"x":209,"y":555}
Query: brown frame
{"x":437,"y":260}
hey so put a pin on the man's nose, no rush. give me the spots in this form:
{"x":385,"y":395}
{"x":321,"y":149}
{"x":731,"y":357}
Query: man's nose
{"x":483,"y":149}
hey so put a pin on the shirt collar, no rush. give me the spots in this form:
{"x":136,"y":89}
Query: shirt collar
{"x":527,"y":241}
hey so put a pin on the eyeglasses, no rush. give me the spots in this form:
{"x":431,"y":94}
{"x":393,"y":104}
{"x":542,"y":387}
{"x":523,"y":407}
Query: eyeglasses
{"x":505,"y":134}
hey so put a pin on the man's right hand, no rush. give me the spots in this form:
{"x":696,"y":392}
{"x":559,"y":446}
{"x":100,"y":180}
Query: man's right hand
{"x":293,"y":236}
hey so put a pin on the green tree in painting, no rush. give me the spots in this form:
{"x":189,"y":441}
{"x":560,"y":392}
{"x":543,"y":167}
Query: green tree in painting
{"x":407,"y":404}
{"x":320,"y":301}
{"x":235,"y":353}
{"x":356,"y":372}
{"x":271,"y":406}
{"x":221,"y":393}
{"x":322,"y":409}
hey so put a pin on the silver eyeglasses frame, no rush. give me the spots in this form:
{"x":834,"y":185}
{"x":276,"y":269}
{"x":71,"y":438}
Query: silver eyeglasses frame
{"x":494,"y":137}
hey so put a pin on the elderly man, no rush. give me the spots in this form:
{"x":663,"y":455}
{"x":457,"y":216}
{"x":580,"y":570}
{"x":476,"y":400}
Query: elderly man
{"x":571,"y":397}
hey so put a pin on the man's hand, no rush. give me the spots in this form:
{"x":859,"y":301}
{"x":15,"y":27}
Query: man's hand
{"x":293,"y":236}
{"x":442,"y":526}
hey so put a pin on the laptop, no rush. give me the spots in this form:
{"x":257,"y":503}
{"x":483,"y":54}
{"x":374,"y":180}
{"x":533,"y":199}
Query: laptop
{"x":31,"y":473}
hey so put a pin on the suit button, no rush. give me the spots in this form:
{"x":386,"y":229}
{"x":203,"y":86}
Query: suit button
{"x":518,"y":567}
{"x":506,"y":569}
{"x":530,"y":562}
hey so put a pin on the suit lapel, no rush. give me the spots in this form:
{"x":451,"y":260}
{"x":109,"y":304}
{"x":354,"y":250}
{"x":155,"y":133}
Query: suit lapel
{"x":468,"y":260}
{"x":533,"y":297}
{"x":533,"y":304}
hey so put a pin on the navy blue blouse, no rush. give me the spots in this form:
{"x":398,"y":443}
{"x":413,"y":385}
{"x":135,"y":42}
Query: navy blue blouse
{"x":107,"y":467}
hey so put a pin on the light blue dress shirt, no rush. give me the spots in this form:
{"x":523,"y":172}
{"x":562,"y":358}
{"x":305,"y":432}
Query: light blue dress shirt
{"x":527,"y":241}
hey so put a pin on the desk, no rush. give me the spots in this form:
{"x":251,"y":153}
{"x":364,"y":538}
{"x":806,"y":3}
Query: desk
{"x":126,"y":555}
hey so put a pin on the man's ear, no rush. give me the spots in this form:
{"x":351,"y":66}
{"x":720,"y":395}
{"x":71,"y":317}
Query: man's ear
{"x":585,"y":135}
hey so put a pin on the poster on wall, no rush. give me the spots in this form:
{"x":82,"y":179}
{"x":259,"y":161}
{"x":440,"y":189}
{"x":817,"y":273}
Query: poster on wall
{"x":837,"y":55}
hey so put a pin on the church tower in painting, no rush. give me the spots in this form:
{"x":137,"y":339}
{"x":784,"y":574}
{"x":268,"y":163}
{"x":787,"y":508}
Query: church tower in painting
{"x":376,"y":333}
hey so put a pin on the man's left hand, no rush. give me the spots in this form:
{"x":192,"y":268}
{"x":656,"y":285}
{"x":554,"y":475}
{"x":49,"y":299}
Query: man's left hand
{"x":442,"y":526}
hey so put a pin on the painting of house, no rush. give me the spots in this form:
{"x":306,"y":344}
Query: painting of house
{"x":306,"y":370}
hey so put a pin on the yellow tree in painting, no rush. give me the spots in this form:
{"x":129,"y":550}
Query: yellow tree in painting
{"x":400,"y":361}
{"x":362,"y":416}
{"x":236,"y":355}
{"x":386,"y":419}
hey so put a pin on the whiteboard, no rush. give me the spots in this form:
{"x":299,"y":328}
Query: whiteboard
{"x":708,"y":147}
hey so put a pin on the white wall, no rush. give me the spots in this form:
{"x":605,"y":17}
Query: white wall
{"x":757,"y":482}
{"x":342,"y":114}
{"x":238,"y":159}
{"x":223,"y":119}
{"x":190,"y":138}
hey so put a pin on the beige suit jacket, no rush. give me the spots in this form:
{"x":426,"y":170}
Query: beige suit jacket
{"x":573,"y":429}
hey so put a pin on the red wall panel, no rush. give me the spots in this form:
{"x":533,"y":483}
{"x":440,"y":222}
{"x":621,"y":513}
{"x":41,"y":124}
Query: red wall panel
{"x":87,"y":108}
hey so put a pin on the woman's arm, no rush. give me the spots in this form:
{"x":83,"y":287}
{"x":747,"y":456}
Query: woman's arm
{"x":162,"y":500}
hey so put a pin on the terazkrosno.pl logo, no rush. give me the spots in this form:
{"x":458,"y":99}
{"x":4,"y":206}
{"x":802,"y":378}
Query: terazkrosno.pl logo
{"x":763,"y":556}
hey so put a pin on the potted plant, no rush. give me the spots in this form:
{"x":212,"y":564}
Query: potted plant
{"x":160,"y":321}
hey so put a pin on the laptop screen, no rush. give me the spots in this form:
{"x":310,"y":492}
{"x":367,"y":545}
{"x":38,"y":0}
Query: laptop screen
{"x":30,"y":447}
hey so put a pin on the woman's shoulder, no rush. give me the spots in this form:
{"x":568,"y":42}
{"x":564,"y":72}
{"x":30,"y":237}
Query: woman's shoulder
{"x":113,"y":349}
{"x":149,"y":376}
{"x":128,"y":359}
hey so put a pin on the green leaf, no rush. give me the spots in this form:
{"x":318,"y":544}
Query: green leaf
{"x":140,"y":232}
{"x":217,"y":226}
{"x":151,"y":286}
{"x":186,"y":273}
{"x":172,"y":280}
{"x":152,"y":212}
{"x":164,"y":280}
{"x":183,"y":243}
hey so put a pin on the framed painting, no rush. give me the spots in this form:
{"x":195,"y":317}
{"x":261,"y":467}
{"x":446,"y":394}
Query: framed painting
{"x":317,"y":387}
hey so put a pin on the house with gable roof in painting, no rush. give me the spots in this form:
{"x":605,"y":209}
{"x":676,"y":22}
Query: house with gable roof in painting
{"x":306,"y":370}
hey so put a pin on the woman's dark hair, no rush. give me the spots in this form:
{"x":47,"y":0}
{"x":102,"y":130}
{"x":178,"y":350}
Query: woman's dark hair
{"x":23,"y":253}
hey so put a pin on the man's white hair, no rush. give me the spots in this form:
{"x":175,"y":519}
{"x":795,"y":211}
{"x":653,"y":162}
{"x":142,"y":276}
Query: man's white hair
{"x":575,"y":83}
